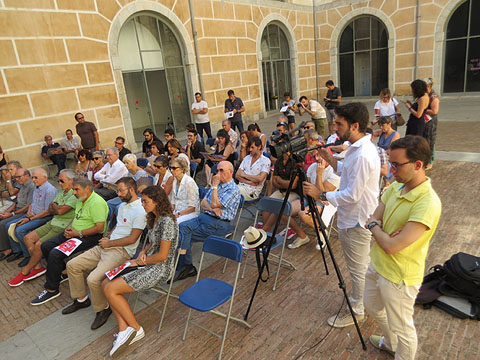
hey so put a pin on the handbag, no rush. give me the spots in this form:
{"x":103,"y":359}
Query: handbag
{"x":400,"y":120}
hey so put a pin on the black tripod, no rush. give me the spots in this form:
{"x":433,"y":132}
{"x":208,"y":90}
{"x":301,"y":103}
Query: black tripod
{"x":317,"y":223}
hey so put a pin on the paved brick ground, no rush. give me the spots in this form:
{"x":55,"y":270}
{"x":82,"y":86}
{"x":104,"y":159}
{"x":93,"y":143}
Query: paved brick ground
{"x":291,"y":319}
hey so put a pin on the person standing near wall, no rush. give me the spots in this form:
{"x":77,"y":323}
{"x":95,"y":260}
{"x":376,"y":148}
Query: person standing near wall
{"x":332,"y":100}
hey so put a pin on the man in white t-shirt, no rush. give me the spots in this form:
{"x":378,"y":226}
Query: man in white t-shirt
{"x":253,"y":170}
{"x":316,"y":111}
{"x":200,"y":115}
{"x":111,"y":251}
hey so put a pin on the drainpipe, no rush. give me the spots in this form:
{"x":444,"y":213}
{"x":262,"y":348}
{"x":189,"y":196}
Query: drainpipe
{"x":315,"y":37}
{"x":417,"y":34}
{"x":195,"y":46}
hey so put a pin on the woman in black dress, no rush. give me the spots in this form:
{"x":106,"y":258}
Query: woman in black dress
{"x":430,"y":132}
{"x":416,"y":120}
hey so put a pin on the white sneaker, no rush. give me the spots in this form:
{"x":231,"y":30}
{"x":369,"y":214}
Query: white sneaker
{"x":324,"y":244}
{"x":140,"y":335}
{"x":123,"y":339}
{"x":298,"y":242}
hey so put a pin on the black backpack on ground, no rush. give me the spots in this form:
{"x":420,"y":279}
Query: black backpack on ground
{"x":459,"y":277}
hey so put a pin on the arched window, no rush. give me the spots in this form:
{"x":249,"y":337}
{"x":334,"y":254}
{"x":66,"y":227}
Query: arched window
{"x":462,"y":49}
{"x":276,"y":66}
{"x":153,"y":72}
{"x":363,"y":57}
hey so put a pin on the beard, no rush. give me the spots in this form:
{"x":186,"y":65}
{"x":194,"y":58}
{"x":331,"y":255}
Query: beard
{"x":345,"y":136}
{"x":126,"y":198}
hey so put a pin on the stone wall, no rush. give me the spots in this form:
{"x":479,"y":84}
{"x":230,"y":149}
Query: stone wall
{"x":59,"y":57}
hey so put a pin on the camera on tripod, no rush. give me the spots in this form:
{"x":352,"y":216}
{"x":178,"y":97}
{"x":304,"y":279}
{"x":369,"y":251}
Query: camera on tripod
{"x":286,"y":142}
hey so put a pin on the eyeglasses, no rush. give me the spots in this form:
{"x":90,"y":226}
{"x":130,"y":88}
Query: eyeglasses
{"x":157,"y":166}
{"x":61,"y":181}
{"x":34,"y":177}
{"x":306,"y":127}
{"x":118,"y":143}
{"x":397,"y":165}
{"x":221,"y":170}
{"x":96,"y":158}
{"x":173,"y":167}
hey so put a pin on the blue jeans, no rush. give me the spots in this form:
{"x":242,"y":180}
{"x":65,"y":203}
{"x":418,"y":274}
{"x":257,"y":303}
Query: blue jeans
{"x":113,"y":205}
{"x":199,"y":229}
{"x":23,"y":230}
{"x":237,"y":124}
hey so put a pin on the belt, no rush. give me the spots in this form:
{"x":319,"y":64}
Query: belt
{"x":216,"y":217}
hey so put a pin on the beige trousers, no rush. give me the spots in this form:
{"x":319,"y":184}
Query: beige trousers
{"x":356,"y":249}
{"x":97,"y":261}
{"x":391,"y":305}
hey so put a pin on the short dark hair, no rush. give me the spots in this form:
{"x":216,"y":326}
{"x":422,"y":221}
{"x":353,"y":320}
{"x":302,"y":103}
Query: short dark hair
{"x":68,"y":131}
{"x":86,"y":153}
{"x":193,"y":131}
{"x":329,"y":83}
{"x":254,"y":140}
{"x":162,"y":160}
{"x":282,"y":124}
{"x":302,"y":97}
{"x":189,"y":126}
{"x":197,"y":93}
{"x":416,"y":147}
{"x":158,"y":144}
{"x":170,"y":132}
{"x":253,"y":127}
{"x":287,"y":94}
{"x":419,"y":88}
{"x":224,"y":134}
{"x":354,"y":112}
{"x":149,"y":131}
{"x":129,"y":182}
{"x":79,"y":113}
{"x":120,"y":138}
{"x":230,"y":92}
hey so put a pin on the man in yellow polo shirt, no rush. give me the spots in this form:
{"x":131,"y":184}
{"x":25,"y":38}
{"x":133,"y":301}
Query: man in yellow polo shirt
{"x":83,"y":233}
{"x":402,"y":226}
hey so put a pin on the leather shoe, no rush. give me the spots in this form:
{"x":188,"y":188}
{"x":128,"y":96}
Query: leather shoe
{"x":24,"y":262}
{"x":76,"y":305}
{"x":14,"y":257}
{"x":101,"y":318}
{"x":4,"y":257}
{"x":186,"y":272}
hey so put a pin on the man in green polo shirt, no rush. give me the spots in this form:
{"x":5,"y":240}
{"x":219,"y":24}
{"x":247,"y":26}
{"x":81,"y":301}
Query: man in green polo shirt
{"x":62,"y":209}
{"x":86,"y":228}
{"x":402,"y":226}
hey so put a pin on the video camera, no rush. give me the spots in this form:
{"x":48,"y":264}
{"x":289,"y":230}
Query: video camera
{"x":282,"y":143}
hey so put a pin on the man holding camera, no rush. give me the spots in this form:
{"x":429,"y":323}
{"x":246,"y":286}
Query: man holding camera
{"x":355,"y":200}
{"x":316,"y":111}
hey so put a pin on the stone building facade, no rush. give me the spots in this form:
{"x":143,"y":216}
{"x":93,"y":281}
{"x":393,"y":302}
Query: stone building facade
{"x":131,"y":64}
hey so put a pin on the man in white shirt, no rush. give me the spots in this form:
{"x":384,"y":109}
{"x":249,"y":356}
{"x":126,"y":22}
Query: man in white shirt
{"x":253,"y":170}
{"x":316,"y":111}
{"x":111,"y":172}
{"x":200,"y":115}
{"x":356,"y":200}
{"x":111,"y":251}
{"x":227,"y":126}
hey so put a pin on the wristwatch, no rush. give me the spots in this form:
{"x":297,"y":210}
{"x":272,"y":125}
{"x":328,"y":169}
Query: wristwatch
{"x":323,"y":196}
{"x":372,"y":225}
{"x":214,"y":188}
{"x":80,"y":234}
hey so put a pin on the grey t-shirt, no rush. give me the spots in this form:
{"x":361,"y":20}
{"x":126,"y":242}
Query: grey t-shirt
{"x":25,"y":194}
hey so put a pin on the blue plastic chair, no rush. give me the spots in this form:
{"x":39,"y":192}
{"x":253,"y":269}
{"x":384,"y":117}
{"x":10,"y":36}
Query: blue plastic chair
{"x":210,"y":141}
{"x":193,"y":168}
{"x":214,"y":168}
{"x":208,"y":294}
{"x":273,"y":206}
{"x":202,"y":192}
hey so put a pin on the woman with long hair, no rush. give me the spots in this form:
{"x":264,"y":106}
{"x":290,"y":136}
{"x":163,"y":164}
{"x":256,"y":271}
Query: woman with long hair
{"x":416,"y":120}
{"x":175,"y":150}
{"x":430,"y":132}
{"x":152,"y":266}
{"x":184,"y":196}
{"x":223,"y":151}
{"x":244,"y":138}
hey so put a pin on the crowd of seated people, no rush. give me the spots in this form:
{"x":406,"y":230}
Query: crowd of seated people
{"x":108,"y":200}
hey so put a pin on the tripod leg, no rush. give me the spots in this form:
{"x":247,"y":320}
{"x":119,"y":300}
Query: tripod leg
{"x":317,"y":220}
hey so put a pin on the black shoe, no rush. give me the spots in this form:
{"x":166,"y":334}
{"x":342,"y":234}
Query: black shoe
{"x":24,"y":262}
{"x":76,"y":305}
{"x":101,"y":318}
{"x":4,"y":257}
{"x":186,"y":272}
{"x":14,"y":257}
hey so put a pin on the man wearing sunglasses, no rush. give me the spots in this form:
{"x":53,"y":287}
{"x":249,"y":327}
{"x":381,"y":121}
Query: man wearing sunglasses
{"x":402,"y":226}
{"x":36,"y":215}
{"x":62,"y":210}
{"x":219,"y":207}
